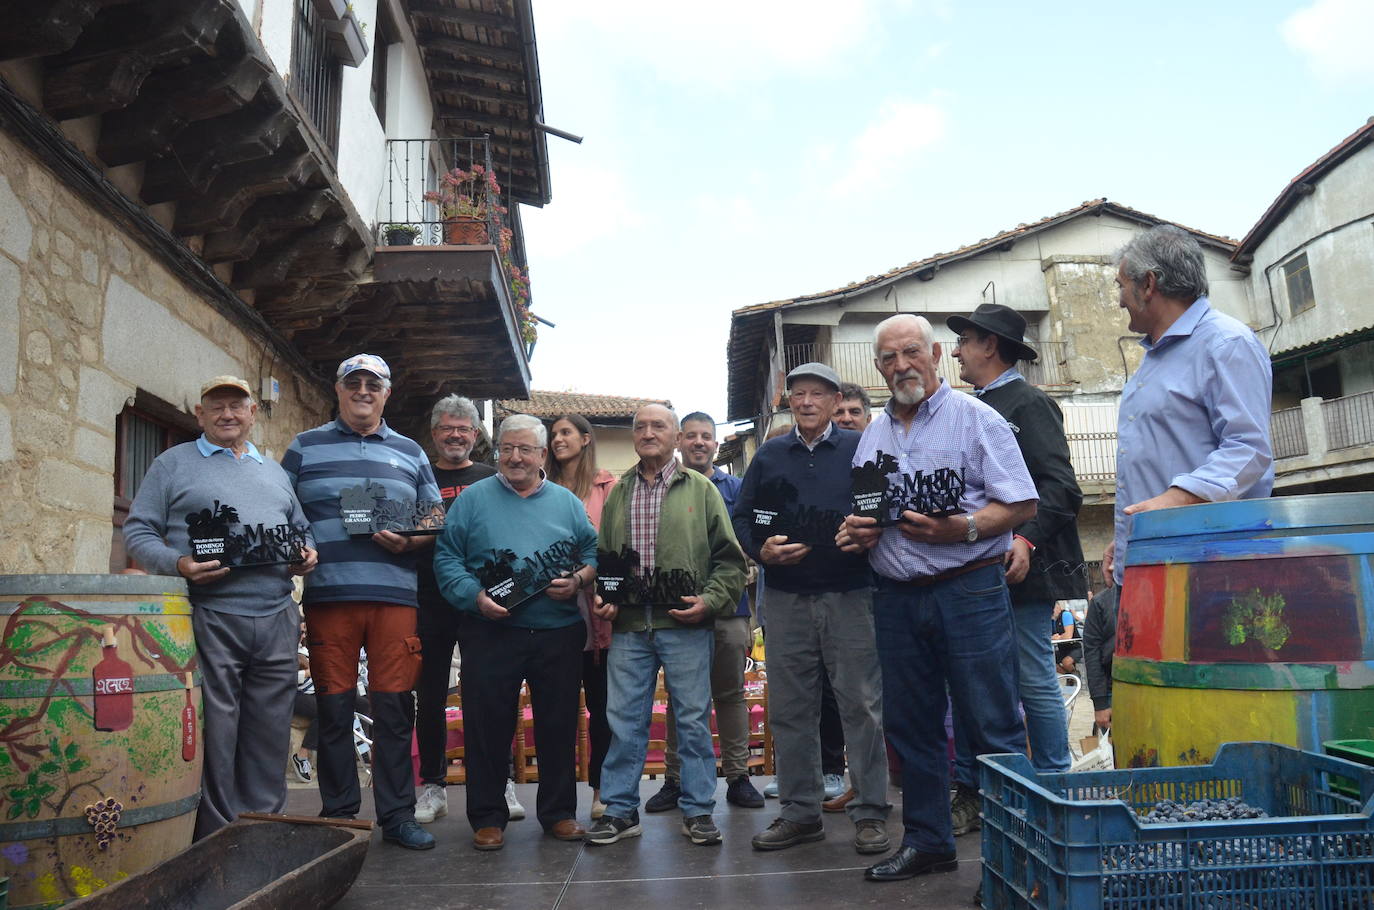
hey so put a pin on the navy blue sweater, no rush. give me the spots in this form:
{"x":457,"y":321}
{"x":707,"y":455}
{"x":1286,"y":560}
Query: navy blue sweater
{"x":810,"y":489}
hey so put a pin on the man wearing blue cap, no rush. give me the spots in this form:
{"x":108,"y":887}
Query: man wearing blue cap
{"x":363,"y":596}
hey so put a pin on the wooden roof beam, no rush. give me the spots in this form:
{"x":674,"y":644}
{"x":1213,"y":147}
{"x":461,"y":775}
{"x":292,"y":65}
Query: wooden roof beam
{"x":464,"y":49}
{"x":433,"y":9}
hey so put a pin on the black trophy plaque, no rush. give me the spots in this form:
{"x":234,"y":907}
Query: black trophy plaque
{"x":777,"y":511}
{"x":365,"y":510}
{"x":218,"y":533}
{"x":619,"y":581}
{"x":512,"y":581}
{"x":875,"y":495}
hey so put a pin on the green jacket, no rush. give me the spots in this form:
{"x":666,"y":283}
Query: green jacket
{"x":694,"y":533}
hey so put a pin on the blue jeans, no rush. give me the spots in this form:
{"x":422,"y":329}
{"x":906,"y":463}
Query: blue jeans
{"x":1046,"y":720}
{"x":953,"y":636}
{"x":631,"y":674}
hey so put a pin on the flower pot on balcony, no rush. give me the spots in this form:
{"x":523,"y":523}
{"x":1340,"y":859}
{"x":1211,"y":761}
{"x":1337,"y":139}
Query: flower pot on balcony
{"x":346,"y":40}
{"x":464,"y":230}
{"x":403,"y":235}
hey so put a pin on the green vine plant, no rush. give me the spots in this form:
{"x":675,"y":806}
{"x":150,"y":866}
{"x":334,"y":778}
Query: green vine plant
{"x":1255,"y":616}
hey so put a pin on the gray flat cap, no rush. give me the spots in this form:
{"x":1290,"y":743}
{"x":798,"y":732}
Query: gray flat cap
{"x":814,"y":371}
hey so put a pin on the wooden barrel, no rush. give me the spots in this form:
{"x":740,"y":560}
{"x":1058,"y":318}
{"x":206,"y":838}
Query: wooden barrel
{"x":1249,"y":620}
{"x":99,"y":771}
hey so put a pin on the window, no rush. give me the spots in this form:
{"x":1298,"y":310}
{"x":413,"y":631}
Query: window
{"x":386,"y":36}
{"x":316,"y":73}
{"x":143,"y":431}
{"x":1298,"y":278}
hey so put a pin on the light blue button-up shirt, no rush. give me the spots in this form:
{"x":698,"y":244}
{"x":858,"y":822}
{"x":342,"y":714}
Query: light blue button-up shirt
{"x":1195,"y":416}
{"x":208,"y":448}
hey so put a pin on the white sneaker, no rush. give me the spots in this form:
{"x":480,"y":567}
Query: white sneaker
{"x":517,"y":811}
{"x":431,"y":803}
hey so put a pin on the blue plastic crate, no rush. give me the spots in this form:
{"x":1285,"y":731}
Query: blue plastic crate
{"x":1075,"y":842}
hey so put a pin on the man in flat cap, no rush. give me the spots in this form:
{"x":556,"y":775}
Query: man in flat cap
{"x":1045,"y":562}
{"x":363,"y":596}
{"x":215,"y":495}
{"x":796,"y":495}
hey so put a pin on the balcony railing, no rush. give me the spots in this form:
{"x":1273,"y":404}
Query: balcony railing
{"x":1093,"y":456}
{"x":1349,"y":420}
{"x":416,"y":167}
{"x":853,"y":361}
{"x":1288,"y":433}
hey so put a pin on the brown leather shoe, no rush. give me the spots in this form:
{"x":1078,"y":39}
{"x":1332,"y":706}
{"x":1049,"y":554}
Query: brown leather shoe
{"x":489,"y":839}
{"x":568,"y":829}
{"x":838,"y":803}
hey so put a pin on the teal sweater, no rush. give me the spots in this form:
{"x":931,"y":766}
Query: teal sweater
{"x":489,"y":519}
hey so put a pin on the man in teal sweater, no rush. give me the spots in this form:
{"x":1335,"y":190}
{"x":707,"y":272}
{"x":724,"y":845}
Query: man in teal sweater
{"x":515,"y":551}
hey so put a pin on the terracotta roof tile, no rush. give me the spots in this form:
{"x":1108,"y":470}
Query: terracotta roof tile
{"x":551,"y":404}
{"x":971,"y":249}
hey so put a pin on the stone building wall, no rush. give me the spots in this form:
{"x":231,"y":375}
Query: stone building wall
{"x":88,"y":318}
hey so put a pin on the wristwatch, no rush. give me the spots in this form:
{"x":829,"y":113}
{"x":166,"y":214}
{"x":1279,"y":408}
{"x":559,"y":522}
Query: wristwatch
{"x":972,"y":535}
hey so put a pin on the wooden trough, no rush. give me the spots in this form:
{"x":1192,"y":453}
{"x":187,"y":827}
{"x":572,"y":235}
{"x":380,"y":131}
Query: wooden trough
{"x":260,"y":862}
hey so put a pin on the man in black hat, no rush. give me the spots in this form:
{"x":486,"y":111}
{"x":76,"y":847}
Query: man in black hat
{"x":795,"y":496}
{"x":1045,"y":562}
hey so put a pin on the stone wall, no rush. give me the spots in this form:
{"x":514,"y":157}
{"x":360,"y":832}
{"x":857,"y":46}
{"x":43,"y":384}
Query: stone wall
{"x":88,"y":318}
{"x":1084,"y":311}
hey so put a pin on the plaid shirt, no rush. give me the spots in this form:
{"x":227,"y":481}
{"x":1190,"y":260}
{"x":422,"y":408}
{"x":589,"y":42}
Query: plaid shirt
{"x":646,"y":502}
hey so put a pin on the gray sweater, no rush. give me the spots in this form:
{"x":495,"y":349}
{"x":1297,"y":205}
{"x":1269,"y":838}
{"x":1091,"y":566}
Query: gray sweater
{"x":181,"y":482}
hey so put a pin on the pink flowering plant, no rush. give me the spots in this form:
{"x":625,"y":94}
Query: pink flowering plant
{"x":472,"y":193}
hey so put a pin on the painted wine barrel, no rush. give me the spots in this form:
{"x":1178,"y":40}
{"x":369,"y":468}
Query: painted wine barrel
{"x":99,"y":771}
{"x":1250,"y":620}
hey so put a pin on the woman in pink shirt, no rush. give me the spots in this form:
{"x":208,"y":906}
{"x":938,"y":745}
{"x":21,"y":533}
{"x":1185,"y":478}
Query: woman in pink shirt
{"x":573,"y":447}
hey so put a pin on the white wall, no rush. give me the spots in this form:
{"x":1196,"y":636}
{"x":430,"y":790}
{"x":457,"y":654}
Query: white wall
{"x":362,"y":154}
{"x":1333,"y":227}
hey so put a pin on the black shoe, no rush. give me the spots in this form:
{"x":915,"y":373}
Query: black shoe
{"x":964,"y":810}
{"x":665,"y":798}
{"x":701,"y":830}
{"x":908,"y":862}
{"x":409,"y":835}
{"x":784,"y":833}
{"x":609,"y":829}
{"x":740,"y":792}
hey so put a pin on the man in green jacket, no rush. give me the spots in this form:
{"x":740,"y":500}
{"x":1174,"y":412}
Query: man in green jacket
{"x":689,"y":570}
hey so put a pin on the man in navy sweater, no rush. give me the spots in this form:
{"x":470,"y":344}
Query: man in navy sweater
{"x":820,"y":615}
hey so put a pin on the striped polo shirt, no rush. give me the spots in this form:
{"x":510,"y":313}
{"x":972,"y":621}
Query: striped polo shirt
{"x":321,"y":463}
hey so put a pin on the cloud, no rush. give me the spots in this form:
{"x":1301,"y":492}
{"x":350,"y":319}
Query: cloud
{"x":591,"y":202}
{"x":887,"y":146}
{"x":721,"y":41}
{"x":1333,"y":35}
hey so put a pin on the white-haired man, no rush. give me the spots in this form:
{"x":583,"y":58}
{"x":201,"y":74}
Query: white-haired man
{"x":941,"y":608}
{"x":540,"y":532}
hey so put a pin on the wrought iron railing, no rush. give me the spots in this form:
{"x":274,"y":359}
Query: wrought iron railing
{"x":1349,"y":420}
{"x":853,"y":361}
{"x":316,"y":73}
{"x":1288,"y":433}
{"x":1093,"y":456}
{"x":415,"y":174}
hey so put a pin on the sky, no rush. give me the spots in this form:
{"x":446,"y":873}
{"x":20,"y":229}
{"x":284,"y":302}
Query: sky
{"x":741,"y":151}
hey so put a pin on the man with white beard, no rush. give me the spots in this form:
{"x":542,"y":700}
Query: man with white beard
{"x":942,"y":614}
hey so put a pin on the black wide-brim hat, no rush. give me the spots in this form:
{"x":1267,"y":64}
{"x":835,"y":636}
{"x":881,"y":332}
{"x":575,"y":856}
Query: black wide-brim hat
{"x":1002,"y":321}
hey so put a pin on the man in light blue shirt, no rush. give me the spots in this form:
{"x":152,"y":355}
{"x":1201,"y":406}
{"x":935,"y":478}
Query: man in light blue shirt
{"x":1194,"y":419}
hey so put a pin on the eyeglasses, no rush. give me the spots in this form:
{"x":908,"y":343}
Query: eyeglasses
{"x":455,"y":431}
{"x":910,"y":352}
{"x":525,"y":451}
{"x":372,"y":385}
{"x":963,"y":340}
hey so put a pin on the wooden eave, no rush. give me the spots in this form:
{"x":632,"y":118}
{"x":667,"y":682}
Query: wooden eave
{"x":483,"y":68}
{"x":203,"y":155}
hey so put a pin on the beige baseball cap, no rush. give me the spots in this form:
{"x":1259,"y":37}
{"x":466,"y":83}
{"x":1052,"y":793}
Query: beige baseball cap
{"x":226,"y":382}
